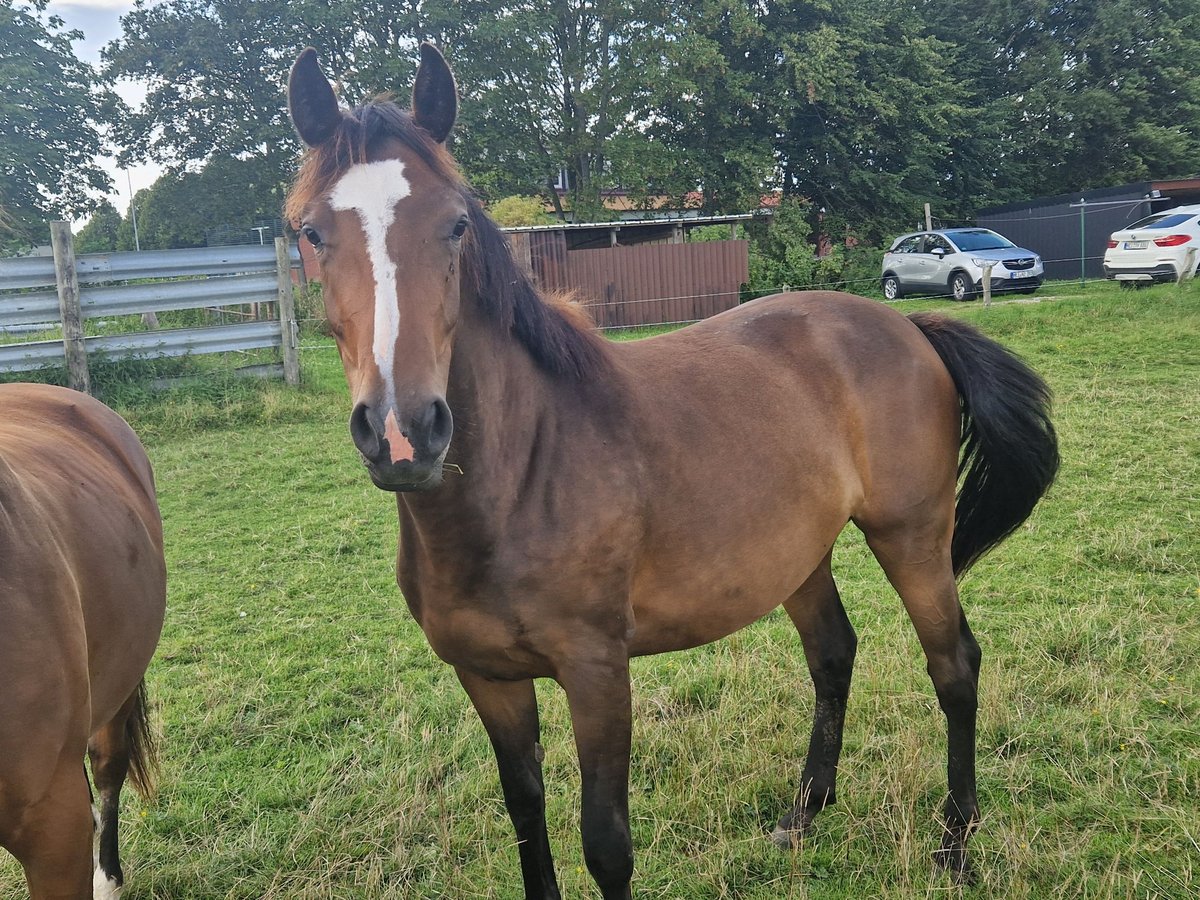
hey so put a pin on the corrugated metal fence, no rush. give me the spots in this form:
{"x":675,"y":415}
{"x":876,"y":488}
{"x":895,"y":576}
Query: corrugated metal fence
{"x":645,"y":284}
{"x":35,"y":291}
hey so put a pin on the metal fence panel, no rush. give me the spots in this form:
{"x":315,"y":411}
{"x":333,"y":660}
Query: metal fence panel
{"x":24,"y":272}
{"x":29,"y":309}
{"x":31,"y":355}
{"x":182,"y":341}
{"x":99,"y":267}
{"x":147,"y":345}
{"x":135,"y":299}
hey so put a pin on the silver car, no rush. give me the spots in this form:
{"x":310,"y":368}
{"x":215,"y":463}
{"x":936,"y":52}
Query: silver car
{"x":951,"y":261}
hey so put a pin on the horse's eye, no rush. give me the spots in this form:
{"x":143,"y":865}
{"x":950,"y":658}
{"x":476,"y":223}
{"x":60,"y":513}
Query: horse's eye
{"x":460,"y":227}
{"x":311,"y":235}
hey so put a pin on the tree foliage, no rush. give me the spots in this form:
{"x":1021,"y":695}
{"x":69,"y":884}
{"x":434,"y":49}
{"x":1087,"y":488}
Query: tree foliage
{"x":103,"y":232}
{"x":863,"y":111}
{"x":179,"y":210}
{"x":52,"y":109}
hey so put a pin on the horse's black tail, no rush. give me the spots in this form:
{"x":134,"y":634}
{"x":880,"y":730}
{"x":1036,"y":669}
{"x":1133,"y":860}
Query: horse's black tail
{"x":1009,"y":448}
{"x":142,"y":744}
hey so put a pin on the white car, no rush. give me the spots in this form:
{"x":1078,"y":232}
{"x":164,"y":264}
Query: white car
{"x":951,"y":262}
{"x":1157,"y":248}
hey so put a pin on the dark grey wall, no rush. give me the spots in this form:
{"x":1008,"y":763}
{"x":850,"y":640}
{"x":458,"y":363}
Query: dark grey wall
{"x":1051,"y":226}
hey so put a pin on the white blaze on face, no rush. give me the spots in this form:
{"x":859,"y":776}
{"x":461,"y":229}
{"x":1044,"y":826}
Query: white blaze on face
{"x":372,"y":190}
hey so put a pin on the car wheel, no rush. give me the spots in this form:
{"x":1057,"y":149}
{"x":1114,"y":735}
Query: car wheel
{"x":961,"y":287}
{"x":891,"y":288}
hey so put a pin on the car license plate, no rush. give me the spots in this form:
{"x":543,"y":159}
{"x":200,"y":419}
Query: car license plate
{"x":1136,"y":245}
{"x":1016,"y":274}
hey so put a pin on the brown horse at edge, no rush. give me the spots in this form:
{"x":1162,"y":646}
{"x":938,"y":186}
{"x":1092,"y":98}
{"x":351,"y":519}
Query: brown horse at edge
{"x":621,"y":499}
{"x":82,"y":597}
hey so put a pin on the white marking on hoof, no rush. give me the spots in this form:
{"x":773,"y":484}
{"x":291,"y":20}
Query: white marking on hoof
{"x":103,"y":887}
{"x":785,"y":839}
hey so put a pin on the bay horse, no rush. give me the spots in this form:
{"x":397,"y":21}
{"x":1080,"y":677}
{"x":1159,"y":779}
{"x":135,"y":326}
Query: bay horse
{"x":82,"y":599}
{"x":621,"y":499}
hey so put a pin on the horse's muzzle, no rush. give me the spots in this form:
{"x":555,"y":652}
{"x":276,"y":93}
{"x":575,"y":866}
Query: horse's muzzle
{"x":403,"y":451}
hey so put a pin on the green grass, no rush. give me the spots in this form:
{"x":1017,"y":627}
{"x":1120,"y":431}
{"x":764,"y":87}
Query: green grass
{"x":315,"y":748}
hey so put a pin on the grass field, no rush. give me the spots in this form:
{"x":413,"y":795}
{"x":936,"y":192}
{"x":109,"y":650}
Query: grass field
{"x":314,"y":747}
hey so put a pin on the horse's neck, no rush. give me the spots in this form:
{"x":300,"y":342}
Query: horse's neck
{"x":496,"y":394}
{"x":514,"y":425}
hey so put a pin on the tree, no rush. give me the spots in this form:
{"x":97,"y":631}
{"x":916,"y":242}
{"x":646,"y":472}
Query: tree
{"x":52,"y":108}
{"x":178,"y":210}
{"x":868,"y":111}
{"x":710,"y":119}
{"x":102,"y":233}
{"x":1075,"y":95}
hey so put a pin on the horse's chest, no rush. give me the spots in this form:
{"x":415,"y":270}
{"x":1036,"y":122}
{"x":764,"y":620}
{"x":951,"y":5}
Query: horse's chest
{"x":496,"y":643}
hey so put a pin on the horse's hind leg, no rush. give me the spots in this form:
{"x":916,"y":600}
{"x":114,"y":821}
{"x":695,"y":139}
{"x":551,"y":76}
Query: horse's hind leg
{"x":829,"y":647}
{"x":108,"y":751}
{"x":54,"y":836}
{"x":917,"y":563}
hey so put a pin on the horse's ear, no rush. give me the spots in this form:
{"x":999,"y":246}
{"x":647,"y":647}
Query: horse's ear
{"x":311,"y":101}
{"x":435,"y":96}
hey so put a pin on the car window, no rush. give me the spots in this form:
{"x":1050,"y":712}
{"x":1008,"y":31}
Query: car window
{"x":1163,"y":221}
{"x":936,"y":241}
{"x":1147,"y":222}
{"x":909,"y":245}
{"x":981,"y":239}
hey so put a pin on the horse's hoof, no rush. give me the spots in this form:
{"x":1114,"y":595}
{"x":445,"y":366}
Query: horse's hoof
{"x":958,"y":864}
{"x":786,"y":838}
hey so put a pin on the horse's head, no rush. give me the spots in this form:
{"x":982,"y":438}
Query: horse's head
{"x":382,"y":203}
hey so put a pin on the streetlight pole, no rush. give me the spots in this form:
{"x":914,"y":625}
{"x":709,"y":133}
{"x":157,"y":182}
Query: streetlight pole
{"x":137,"y":244}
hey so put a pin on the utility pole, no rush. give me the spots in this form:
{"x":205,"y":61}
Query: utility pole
{"x":928,"y":219}
{"x":137,"y":244}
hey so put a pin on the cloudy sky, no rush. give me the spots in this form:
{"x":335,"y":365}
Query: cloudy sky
{"x":100,"y":22}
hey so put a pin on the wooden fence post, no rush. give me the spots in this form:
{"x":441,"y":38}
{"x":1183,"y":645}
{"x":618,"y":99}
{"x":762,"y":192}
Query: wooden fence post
{"x":987,"y":284}
{"x":288,"y":328}
{"x":68,"y":307}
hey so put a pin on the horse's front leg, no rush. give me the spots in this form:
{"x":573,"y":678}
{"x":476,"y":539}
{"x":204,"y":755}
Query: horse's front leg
{"x":510,"y":715}
{"x":599,"y":698}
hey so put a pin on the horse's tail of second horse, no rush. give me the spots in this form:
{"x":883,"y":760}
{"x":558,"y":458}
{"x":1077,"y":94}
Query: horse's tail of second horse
{"x":143,"y":746}
{"x":1009,"y":448}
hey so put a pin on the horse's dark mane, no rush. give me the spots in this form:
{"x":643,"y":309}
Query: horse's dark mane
{"x":558,"y":336}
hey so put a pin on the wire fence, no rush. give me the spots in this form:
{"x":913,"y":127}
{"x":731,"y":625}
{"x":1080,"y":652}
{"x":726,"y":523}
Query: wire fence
{"x":838,"y":284}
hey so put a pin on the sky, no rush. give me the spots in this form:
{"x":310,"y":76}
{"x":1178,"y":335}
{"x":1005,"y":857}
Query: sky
{"x":100,"y":22}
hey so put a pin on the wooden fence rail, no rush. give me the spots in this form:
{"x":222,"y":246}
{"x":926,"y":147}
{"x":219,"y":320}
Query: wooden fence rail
{"x":70,"y":290}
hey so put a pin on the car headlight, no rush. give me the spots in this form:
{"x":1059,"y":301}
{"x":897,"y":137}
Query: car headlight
{"x":983,"y":263}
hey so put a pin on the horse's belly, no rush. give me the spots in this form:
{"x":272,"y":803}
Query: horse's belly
{"x":685,"y":599}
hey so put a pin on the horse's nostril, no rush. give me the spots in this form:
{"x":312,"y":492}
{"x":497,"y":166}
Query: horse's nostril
{"x":364,"y":436}
{"x":438,"y":425}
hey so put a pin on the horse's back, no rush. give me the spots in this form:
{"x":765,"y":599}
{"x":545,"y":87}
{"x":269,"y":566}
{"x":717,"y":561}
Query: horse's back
{"x":82,"y":576}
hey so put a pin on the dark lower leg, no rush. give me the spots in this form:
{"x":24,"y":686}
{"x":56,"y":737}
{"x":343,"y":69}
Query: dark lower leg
{"x":108,"y":752}
{"x":957,"y":693}
{"x":829,"y":648}
{"x":918,"y":564}
{"x":509,"y":713}
{"x":601,"y":716}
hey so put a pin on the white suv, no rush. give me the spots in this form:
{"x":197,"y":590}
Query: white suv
{"x":1158,"y":248}
{"x":951,"y":261}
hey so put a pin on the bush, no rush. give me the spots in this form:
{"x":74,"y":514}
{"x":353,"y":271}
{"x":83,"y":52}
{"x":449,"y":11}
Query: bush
{"x":515,"y":211}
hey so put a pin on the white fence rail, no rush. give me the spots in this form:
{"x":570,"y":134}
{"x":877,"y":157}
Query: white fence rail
{"x":40,"y":290}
